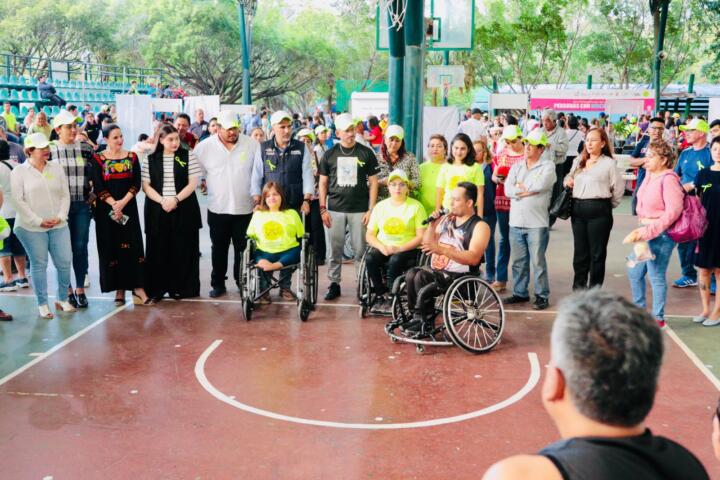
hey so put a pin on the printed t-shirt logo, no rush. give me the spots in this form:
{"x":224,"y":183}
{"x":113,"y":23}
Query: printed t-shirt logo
{"x":393,"y":226}
{"x":455,"y":180}
{"x":272,"y":230}
{"x":347,"y":171}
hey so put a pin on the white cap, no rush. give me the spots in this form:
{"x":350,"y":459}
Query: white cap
{"x":228,"y":119}
{"x":36,"y":140}
{"x":279,"y":116}
{"x":511,"y":132}
{"x":344,"y":121}
{"x":64,"y":118}
{"x":305,"y":132}
{"x":395,"y":131}
{"x":321,"y":128}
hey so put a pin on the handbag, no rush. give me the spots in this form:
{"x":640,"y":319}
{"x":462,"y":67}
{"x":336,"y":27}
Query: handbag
{"x":692,"y":222}
{"x":562,"y":206}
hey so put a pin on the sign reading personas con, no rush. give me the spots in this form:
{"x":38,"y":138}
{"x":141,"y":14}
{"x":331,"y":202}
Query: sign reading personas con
{"x":591,"y":100}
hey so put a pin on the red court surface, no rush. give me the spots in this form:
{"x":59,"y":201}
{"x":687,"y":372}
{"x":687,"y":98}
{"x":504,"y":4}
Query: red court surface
{"x":124,"y":400}
{"x":151,"y":393}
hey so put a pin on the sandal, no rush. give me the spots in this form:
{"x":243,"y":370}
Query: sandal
{"x":45,"y":312}
{"x":137,"y":300}
{"x":120,"y":301}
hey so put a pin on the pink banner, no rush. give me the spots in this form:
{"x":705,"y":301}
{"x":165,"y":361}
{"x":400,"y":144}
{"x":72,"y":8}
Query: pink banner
{"x":579,"y":104}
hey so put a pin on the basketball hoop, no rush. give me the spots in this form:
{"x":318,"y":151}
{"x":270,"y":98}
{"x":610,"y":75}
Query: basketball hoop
{"x":396,"y":10}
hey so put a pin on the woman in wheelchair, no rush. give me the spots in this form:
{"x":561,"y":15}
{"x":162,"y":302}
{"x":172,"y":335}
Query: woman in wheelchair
{"x":457,"y":243}
{"x":394,"y":233}
{"x":275,"y":228}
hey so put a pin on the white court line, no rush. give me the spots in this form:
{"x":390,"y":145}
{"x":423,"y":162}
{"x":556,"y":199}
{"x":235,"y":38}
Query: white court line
{"x":30,"y":294}
{"x":60,"y":345}
{"x":694,"y":358}
{"x":517,"y":396}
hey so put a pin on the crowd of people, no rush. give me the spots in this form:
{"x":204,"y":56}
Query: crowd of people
{"x":357,"y":185}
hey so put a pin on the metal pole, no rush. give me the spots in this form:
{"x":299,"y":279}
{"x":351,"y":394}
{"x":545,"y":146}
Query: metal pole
{"x":691,"y":88}
{"x":446,"y":61}
{"x":658,"y":49}
{"x":413,"y":94}
{"x":247,"y":94}
{"x":396,"y":69}
{"x":495,"y":90}
{"x":589,"y":82}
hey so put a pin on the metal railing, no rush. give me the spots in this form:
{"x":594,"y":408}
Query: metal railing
{"x":24,"y":66}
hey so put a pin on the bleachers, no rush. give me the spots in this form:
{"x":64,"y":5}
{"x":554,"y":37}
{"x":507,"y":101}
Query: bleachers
{"x":23,"y":90}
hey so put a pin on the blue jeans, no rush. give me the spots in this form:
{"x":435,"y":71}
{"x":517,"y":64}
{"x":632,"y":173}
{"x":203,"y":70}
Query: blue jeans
{"x":686,"y":252}
{"x":662,"y":248}
{"x":37,"y":245}
{"x":288,"y":257}
{"x":79,"y":218}
{"x":503,"y":249}
{"x":490,"y":250}
{"x":528,"y":247}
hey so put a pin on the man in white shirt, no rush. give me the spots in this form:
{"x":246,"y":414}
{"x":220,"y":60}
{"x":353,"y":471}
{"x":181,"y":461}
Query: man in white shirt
{"x":227,"y":160}
{"x":474,"y":127}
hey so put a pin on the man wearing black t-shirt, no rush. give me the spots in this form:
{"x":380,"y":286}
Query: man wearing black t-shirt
{"x":599,"y":387}
{"x":348,"y":191}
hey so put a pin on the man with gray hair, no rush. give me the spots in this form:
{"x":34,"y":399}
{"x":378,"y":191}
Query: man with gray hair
{"x":556,"y":150}
{"x":600,"y":385}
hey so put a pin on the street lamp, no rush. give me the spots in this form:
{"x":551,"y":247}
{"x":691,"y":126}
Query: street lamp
{"x":246,"y":10}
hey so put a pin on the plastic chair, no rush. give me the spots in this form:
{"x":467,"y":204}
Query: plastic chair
{"x":13,"y":80}
{"x":14,"y":110}
{"x":47,"y":110}
{"x":34,"y":95}
{"x":14,"y":95}
{"x":4,"y":93}
{"x":55,"y":110}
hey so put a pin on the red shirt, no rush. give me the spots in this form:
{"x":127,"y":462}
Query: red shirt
{"x":377,"y":133}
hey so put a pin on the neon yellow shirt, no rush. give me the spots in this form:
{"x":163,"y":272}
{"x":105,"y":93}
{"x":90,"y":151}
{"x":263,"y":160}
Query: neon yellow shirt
{"x":450,"y":175}
{"x":428,"y":180}
{"x":396,"y":225}
{"x":276,"y":232}
{"x":10,"y":121}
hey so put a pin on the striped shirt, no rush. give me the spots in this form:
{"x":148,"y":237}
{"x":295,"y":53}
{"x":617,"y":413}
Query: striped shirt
{"x":75,"y":159}
{"x":168,"y":188}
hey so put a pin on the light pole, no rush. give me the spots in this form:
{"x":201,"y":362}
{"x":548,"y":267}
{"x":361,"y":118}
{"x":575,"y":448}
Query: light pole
{"x":246,"y":12}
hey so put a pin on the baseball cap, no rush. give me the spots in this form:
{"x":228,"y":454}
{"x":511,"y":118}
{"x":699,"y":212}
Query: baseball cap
{"x":476,"y":111}
{"x":398,"y":173}
{"x":279,"y":116}
{"x":536,"y":137}
{"x":696,"y":124}
{"x":306,"y":132}
{"x":64,"y":118}
{"x":321,"y":128}
{"x":395,"y":131}
{"x":228,"y":119}
{"x":676,"y":115}
{"x":511,"y":132}
{"x":344,"y":121}
{"x":36,"y":140}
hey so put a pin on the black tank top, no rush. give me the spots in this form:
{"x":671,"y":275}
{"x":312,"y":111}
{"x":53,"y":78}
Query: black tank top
{"x":645,"y":457}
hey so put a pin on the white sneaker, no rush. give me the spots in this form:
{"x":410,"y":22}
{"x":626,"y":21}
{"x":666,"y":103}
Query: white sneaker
{"x":45,"y":312}
{"x":711,"y":323}
{"x":87,"y":281}
{"x":699,"y":319}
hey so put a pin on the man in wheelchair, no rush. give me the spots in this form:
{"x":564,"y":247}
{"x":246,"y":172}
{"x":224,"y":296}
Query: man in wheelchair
{"x":275,"y":228}
{"x":457,"y":243}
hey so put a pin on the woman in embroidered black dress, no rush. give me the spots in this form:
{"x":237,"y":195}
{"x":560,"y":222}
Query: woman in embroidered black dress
{"x":116,"y":179}
{"x":172,"y":218}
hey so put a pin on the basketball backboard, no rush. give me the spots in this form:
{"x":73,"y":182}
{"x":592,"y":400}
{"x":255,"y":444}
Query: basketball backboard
{"x":452,"y":21}
{"x":440,"y":75}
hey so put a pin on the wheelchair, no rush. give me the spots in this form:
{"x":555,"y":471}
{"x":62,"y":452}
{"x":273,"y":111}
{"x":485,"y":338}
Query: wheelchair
{"x":306,"y":276}
{"x":365,"y":294}
{"x":473,"y":317}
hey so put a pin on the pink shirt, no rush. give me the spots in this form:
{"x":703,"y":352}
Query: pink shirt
{"x":659,"y":198}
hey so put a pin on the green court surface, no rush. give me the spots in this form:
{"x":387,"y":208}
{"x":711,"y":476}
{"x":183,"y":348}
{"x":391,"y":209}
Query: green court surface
{"x":28,"y":336}
{"x":702,"y":341}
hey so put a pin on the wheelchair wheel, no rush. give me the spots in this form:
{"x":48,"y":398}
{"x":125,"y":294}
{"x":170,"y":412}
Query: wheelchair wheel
{"x":473,"y":314}
{"x":247,"y":308}
{"x":400,"y":309}
{"x":303,"y":310}
{"x":311,"y":280}
{"x":363,"y":281}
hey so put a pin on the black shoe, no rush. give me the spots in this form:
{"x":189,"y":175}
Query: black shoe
{"x":515,"y":299}
{"x":414,"y":325}
{"x":72,"y":300}
{"x":382,"y":306}
{"x":217,"y":292}
{"x":541,"y":303}
{"x":333,"y":291}
{"x":82,"y":301}
{"x":5,"y":317}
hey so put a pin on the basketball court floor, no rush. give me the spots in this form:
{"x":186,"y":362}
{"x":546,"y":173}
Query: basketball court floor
{"x":188,"y":390}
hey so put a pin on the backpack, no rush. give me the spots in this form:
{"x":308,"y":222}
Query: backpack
{"x":692,"y":222}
